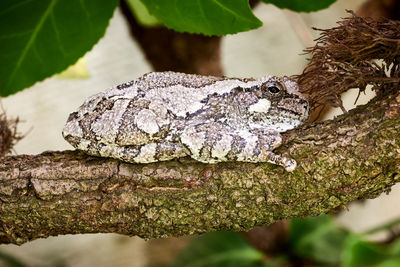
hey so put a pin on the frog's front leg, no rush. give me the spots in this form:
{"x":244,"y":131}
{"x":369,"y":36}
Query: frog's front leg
{"x":215,"y":142}
{"x":268,"y":141}
{"x":287,"y":163}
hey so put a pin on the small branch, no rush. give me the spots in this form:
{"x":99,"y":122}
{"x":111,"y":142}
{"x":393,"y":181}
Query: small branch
{"x":352,"y":157}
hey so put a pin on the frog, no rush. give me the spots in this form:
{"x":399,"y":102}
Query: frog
{"x":162,"y":116}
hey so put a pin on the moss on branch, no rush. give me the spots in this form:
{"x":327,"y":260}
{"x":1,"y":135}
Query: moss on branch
{"x":354,"y":156}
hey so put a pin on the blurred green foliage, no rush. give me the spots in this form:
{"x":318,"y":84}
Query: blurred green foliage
{"x":219,"y":249}
{"x":360,"y":253}
{"x":10,"y":261}
{"x":317,"y":240}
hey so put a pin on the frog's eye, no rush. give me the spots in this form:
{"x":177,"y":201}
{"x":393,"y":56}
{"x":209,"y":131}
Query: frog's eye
{"x":274,"y":89}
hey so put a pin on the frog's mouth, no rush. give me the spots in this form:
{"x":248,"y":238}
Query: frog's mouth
{"x":295,"y":107}
{"x":287,"y":117}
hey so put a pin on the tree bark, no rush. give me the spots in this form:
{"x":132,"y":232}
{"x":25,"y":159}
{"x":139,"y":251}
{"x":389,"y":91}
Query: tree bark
{"x":352,"y":157}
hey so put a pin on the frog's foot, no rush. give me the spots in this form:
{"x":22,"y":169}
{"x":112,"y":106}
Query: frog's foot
{"x":290,"y":164}
{"x":287,"y":163}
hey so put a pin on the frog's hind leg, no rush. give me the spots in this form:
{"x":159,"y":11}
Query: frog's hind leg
{"x":167,"y":151}
{"x":214,"y":142}
{"x":148,"y":153}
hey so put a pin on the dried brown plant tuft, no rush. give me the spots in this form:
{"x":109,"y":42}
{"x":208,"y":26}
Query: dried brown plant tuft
{"x":357,"y":53}
{"x":9,"y":135}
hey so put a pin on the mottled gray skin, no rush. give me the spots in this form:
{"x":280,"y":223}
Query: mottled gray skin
{"x":166,"y":115}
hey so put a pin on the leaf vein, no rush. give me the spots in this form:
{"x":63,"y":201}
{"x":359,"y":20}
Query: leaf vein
{"x":57,"y":34}
{"x":201,"y":11}
{"x":18,"y":34}
{"x":231,"y":11}
{"x":21,"y":3}
{"x":87,"y":15}
{"x":31,"y":41}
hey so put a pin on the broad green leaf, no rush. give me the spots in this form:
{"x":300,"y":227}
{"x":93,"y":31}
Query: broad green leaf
{"x":142,"y":14}
{"x":301,"y":5}
{"x":209,"y":17}
{"x":317,"y":238}
{"x":219,"y":249}
{"x":39,"y":38}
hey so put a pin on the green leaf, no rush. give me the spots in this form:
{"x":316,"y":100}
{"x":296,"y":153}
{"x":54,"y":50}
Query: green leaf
{"x":301,"y":5}
{"x":360,"y":253}
{"x":39,"y":38}
{"x":219,"y":249}
{"x":209,"y":17}
{"x":394,"y":262}
{"x":317,"y":238}
{"x":142,"y":14}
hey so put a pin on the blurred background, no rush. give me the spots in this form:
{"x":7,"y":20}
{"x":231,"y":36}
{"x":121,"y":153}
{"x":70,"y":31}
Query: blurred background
{"x":274,"y":49}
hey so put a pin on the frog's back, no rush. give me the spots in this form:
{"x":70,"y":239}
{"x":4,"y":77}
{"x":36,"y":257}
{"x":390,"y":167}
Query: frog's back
{"x":160,"y":80}
{"x":184,"y":94}
{"x":146,"y":110}
{"x":132,"y":113}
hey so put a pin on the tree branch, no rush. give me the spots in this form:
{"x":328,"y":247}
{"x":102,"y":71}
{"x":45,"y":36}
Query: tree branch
{"x":354,"y":156}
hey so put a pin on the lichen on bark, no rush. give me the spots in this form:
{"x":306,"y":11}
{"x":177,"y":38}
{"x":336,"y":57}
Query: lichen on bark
{"x":354,"y":156}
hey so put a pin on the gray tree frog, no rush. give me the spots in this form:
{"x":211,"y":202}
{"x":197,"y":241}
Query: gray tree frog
{"x":166,"y":115}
